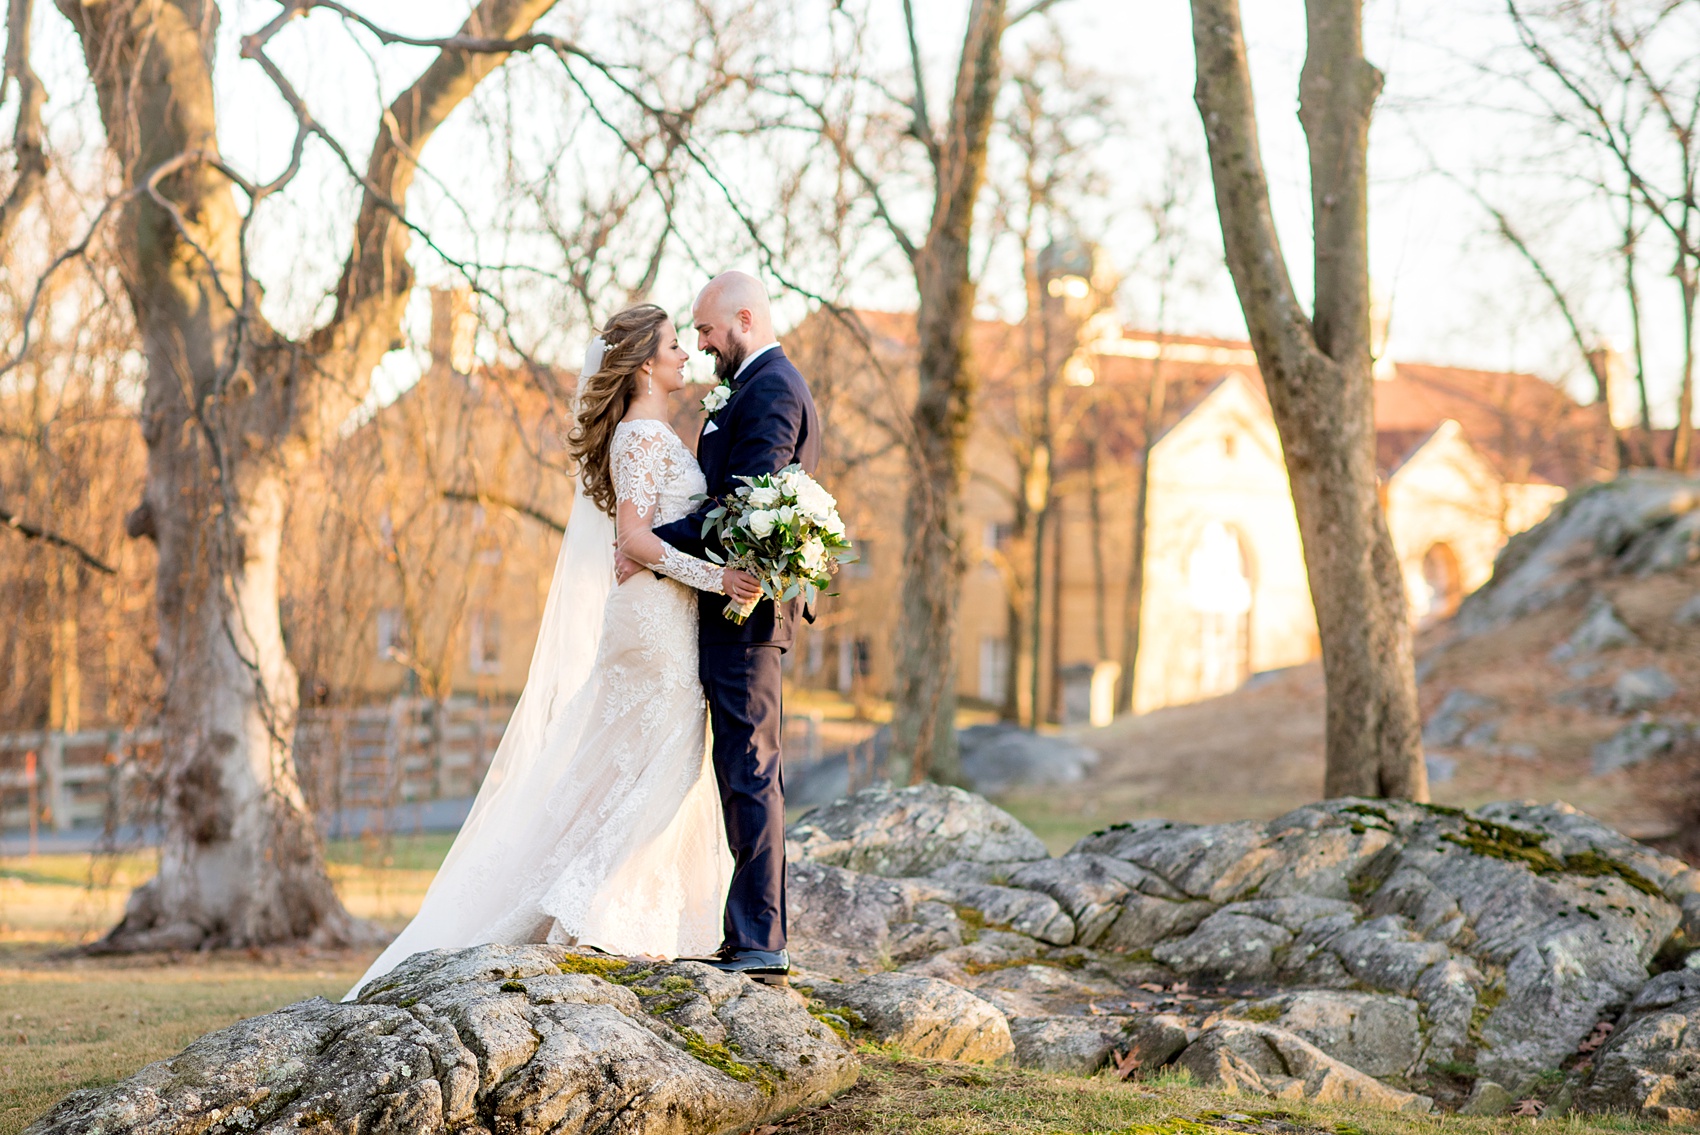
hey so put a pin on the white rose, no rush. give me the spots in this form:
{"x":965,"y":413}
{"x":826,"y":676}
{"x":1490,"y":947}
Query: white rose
{"x":815,"y":502}
{"x":792,"y":483}
{"x":759,"y":522}
{"x":786,"y":514}
{"x":715,"y":399}
{"x":833,"y":525}
{"x":763,"y":497}
{"x":813,"y":553}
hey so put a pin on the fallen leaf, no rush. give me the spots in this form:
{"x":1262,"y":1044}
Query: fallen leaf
{"x":1529,"y":1108}
{"x":1601,"y":1033}
{"x":1127,"y":1063}
{"x":1150,"y":988}
{"x":1180,"y":987}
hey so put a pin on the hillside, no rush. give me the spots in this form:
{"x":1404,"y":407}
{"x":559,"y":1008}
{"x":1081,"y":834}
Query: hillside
{"x":1588,"y":631}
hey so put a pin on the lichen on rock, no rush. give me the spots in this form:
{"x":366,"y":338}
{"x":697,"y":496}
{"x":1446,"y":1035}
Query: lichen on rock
{"x":515,"y":1039}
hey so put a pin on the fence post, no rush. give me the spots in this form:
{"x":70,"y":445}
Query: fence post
{"x":811,"y":734}
{"x":53,"y":771}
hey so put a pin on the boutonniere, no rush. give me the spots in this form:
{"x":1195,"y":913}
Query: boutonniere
{"x":715,"y":400}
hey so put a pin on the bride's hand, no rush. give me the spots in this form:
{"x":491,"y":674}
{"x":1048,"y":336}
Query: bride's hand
{"x":739,"y":584}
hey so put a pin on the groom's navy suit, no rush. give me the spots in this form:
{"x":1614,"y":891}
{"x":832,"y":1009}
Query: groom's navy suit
{"x":768,"y":423}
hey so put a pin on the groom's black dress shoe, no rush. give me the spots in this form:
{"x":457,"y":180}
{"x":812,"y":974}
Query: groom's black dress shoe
{"x":770,"y":967}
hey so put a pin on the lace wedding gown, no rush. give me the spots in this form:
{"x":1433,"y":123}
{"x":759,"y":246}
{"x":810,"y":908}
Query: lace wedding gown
{"x":610,"y":833}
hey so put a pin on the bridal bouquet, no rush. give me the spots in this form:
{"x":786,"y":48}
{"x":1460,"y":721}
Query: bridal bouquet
{"x":782,"y":528}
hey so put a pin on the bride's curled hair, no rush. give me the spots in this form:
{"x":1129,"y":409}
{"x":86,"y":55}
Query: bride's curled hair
{"x":633,"y":337}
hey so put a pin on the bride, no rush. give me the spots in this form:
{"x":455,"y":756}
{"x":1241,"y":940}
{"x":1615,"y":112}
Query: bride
{"x":599,"y":822}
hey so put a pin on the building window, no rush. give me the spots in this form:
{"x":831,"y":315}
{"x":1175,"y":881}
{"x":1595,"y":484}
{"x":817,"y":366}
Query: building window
{"x":486,"y":642}
{"x":855,"y":660}
{"x":998,"y":534}
{"x":1437,"y":594}
{"x":391,"y":639}
{"x":1219,"y":589}
{"x":994,"y":669}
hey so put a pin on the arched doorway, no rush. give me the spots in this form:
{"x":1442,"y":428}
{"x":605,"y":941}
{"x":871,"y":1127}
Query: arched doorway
{"x":1219,"y":589}
{"x":1437,"y":593}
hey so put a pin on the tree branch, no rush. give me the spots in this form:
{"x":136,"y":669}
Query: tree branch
{"x":1037,"y":8}
{"x":1279,"y":328}
{"x":505,"y":502}
{"x":377,"y":278}
{"x":922,"y":126}
{"x":27,"y":145}
{"x":34,"y":532}
{"x":1521,"y":247}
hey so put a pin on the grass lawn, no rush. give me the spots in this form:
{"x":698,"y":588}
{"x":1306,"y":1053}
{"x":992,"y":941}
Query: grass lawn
{"x":918,"y":1097}
{"x":68,"y":1022}
{"x":71,"y":1022}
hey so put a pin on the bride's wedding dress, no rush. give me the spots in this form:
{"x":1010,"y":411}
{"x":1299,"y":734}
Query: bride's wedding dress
{"x":600,"y":821}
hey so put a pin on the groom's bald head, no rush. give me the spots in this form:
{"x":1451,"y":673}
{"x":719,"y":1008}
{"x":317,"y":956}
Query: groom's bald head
{"x":732,"y":319}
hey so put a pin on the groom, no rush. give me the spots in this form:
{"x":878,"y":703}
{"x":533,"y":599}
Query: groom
{"x":767,"y":423}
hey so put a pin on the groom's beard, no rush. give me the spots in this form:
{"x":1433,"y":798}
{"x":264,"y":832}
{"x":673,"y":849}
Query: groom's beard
{"x":727,"y":362}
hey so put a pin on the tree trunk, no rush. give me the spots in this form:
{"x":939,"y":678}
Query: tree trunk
{"x":230,"y":410}
{"x":1633,"y":293}
{"x":1015,"y":605}
{"x":1133,"y":605}
{"x":1319,"y":380}
{"x":29,"y":155}
{"x":1682,"y":445}
{"x":1095,"y":529}
{"x":923,"y":716}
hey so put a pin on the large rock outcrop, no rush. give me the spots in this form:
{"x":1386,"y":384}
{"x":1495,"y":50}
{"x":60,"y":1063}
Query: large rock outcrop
{"x":502,"y":1039}
{"x":1386,"y":936}
{"x":1340,"y":952}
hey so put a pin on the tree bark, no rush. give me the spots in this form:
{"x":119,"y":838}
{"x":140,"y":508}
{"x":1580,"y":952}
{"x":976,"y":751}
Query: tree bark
{"x":231,"y":410}
{"x":1682,"y":444}
{"x":1133,"y":606}
{"x":923,"y":719}
{"x":27,"y":147}
{"x":1318,"y":375}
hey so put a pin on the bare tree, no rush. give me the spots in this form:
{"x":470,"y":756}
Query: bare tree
{"x":1317,"y":370}
{"x":233,"y":407}
{"x":1622,"y":78}
{"x":74,"y":649}
{"x":923,"y":721}
{"x":1168,"y":247}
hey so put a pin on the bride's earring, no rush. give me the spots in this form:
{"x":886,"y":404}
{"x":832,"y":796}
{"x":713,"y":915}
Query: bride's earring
{"x":650,"y":374}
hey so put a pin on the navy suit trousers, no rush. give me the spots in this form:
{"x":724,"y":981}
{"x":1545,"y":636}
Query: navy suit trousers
{"x":743,"y":688}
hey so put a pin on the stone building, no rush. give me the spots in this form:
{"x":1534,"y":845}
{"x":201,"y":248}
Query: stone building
{"x":438,"y":538}
{"x":421,"y":549}
{"x":1467,"y":458}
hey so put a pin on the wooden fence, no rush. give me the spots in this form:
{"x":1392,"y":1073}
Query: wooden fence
{"x":370,"y":757}
{"x":404,"y":751}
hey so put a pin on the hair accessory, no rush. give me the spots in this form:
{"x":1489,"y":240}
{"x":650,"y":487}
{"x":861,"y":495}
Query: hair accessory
{"x":593,"y":355}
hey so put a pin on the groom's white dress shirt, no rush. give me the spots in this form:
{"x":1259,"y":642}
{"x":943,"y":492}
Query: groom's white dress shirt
{"x":750,"y":358}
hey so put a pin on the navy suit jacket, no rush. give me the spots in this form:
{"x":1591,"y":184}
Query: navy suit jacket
{"x":769,"y":423}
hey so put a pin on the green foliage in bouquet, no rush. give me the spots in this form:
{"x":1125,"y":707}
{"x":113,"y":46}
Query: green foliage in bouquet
{"x":784,"y":529}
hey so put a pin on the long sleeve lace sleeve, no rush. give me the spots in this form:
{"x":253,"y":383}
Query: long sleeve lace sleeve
{"x":640,"y":467}
{"x":690,"y":571}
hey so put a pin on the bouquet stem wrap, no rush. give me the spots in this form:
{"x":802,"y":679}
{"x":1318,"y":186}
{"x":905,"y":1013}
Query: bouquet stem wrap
{"x":739,"y":612}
